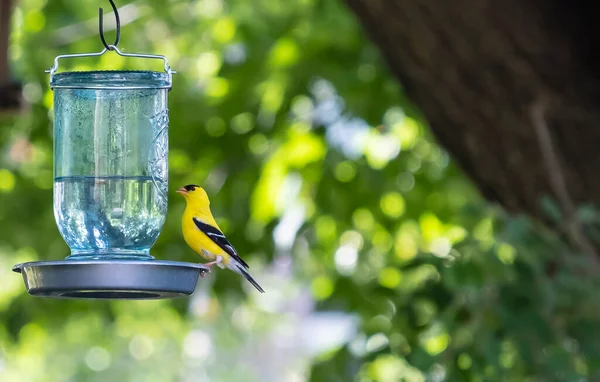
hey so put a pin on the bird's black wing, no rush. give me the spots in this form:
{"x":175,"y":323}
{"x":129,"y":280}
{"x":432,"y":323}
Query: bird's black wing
{"x":219,"y":239}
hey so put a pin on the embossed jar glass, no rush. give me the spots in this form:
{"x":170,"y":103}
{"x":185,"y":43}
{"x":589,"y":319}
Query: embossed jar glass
{"x":110,"y":161}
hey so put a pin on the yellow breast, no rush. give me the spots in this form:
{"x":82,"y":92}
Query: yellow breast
{"x":199,"y":242}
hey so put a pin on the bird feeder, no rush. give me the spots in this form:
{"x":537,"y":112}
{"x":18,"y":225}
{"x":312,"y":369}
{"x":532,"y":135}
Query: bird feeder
{"x":110,"y":185}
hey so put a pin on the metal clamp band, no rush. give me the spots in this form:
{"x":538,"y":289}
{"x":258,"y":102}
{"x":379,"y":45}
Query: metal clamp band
{"x":167,"y":68}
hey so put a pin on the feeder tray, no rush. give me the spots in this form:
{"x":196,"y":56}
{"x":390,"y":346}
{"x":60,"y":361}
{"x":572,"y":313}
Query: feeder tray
{"x":114,"y":279}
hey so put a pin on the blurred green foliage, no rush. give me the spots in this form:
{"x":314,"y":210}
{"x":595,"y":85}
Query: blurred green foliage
{"x":326,"y":179}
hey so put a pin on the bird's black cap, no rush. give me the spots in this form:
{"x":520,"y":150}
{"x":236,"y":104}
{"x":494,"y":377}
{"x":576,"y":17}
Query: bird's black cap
{"x":191,"y":187}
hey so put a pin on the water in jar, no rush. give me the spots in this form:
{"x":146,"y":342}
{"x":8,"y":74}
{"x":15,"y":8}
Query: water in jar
{"x":117,"y":215}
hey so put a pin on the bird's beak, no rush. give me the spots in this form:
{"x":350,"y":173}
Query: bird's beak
{"x":182,"y":191}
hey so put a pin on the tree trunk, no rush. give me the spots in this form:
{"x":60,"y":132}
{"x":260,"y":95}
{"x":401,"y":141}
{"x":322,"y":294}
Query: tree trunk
{"x":5,"y":12}
{"x":10,"y":91}
{"x":495,"y":80}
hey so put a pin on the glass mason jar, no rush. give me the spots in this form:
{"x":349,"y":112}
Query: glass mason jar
{"x":110,"y":161}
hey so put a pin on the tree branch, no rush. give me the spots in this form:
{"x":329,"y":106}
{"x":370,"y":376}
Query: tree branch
{"x":558,"y":183}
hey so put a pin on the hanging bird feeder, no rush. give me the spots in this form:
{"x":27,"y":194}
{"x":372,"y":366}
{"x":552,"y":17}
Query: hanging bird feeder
{"x":110,"y":185}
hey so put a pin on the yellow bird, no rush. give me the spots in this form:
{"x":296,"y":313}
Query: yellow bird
{"x":203,"y":235}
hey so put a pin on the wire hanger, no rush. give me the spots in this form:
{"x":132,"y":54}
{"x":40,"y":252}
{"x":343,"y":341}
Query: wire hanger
{"x":112,"y":47}
{"x":101,"y":26}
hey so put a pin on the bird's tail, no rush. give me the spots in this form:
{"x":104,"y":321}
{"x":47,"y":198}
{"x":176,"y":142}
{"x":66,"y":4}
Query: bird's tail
{"x":241,"y":270}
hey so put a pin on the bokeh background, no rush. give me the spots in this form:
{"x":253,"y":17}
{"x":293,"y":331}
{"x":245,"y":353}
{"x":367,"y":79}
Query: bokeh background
{"x":381,"y":260}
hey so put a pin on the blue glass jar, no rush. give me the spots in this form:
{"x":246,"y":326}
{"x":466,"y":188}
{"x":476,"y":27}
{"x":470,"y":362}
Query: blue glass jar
{"x":110,"y":161}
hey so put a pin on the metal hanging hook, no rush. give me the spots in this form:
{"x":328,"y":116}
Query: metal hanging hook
{"x":101,"y":26}
{"x":112,"y":47}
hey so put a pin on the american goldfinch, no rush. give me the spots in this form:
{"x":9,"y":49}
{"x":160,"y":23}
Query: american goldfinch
{"x":203,"y":235}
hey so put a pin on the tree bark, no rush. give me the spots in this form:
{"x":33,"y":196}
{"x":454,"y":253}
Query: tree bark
{"x":479,"y":70}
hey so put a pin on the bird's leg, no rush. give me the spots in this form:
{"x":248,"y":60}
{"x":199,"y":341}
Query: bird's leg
{"x":217,"y":261}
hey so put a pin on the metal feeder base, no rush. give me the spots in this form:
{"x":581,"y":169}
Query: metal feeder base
{"x":115,"y":279}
